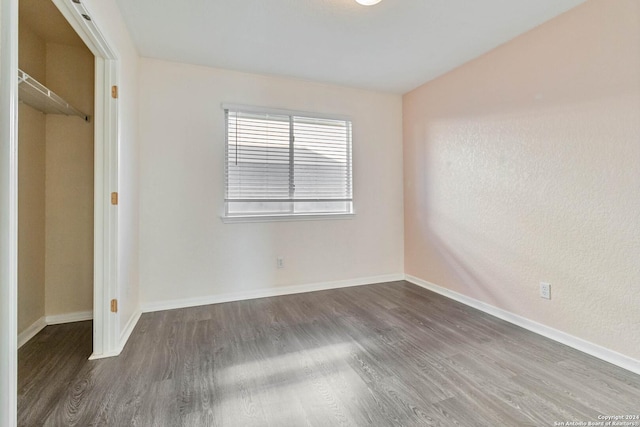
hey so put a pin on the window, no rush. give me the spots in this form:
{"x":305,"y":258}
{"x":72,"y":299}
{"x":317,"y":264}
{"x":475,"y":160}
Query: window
{"x":281,"y":164}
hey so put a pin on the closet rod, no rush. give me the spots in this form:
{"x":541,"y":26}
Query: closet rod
{"x":38,"y":96}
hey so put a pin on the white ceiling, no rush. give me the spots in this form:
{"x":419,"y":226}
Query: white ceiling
{"x":394,"y":46}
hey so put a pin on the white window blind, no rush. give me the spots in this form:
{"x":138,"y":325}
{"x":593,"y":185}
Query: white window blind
{"x":287,"y":164}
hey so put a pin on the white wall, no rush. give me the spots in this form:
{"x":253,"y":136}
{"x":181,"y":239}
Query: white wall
{"x":108,"y":18}
{"x":186,"y":251}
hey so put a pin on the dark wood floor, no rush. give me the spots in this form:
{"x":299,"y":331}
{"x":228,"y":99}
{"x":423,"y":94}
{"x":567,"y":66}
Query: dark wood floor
{"x":388,"y":354}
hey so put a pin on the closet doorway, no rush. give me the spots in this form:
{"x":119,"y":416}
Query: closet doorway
{"x":67,"y":173}
{"x":55,"y":172}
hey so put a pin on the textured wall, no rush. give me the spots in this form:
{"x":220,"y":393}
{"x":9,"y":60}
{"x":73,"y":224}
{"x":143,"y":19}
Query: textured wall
{"x":187,"y":251}
{"x":69,"y":184}
{"x":31,"y":188}
{"x":522,"y":166}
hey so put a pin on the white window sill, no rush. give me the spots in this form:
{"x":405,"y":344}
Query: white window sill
{"x":284,"y":218}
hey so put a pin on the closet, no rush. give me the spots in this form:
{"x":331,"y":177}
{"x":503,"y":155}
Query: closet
{"x":55,"y":171}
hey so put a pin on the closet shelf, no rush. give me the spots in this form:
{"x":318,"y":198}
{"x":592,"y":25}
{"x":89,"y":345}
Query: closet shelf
{"x":38,"y":96}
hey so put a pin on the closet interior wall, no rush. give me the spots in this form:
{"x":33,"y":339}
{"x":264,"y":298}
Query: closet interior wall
{"x":31,"y":188}
{"x":56,"y":166}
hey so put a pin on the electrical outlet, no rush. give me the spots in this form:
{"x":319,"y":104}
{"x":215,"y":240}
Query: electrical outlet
{"x":545,"y":290}
{"x":280,"y":262}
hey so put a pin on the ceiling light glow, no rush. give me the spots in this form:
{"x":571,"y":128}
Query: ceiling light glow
{"x":368,"y":2}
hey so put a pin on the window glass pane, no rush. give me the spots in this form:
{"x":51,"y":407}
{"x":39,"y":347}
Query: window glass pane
{"x":259,"y":208}
{"x":321,"y":159}
{"x":281,"y":164}
{"x":323,"y":207}
{"x":258,"y":156}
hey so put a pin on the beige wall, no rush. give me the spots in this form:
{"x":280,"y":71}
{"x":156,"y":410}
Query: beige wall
{"x":522,"y":166}
{"x":188,"y":252}
{"x":69,"y":184}
{"x":31,"y":189}
{"x":55,"y":186}
{"x":31,"y":53}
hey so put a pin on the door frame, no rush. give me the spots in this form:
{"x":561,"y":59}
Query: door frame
{"x":106,"y":142}
{"x":8,"y":212}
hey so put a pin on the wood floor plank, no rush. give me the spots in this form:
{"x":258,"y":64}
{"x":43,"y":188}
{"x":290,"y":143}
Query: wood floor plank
{"x":390,"y":354}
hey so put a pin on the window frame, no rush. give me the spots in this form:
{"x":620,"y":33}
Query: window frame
{"x":284,"y":216}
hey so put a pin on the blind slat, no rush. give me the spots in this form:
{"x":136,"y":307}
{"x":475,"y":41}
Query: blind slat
{"x":276,"y":162}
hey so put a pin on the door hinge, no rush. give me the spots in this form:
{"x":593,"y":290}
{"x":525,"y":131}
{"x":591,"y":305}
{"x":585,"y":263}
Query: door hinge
{"x":114,"y":305}
{"x":114,"y":198}
{"x":114,"y":92}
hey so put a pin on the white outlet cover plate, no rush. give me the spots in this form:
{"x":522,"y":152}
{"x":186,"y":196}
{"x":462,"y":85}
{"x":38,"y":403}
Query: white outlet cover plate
{"x":545,"y":290}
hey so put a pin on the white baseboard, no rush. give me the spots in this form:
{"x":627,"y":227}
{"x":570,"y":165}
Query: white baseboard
{"x":31,"y":331}
{"x":78,"y":316}
{"x":265,"y":293}
{"x":56,"y":319}
{"x":584,"y":346}
{"x":95,"y":356}
{"x":124,"y":337}
{"x":126,"y":332}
